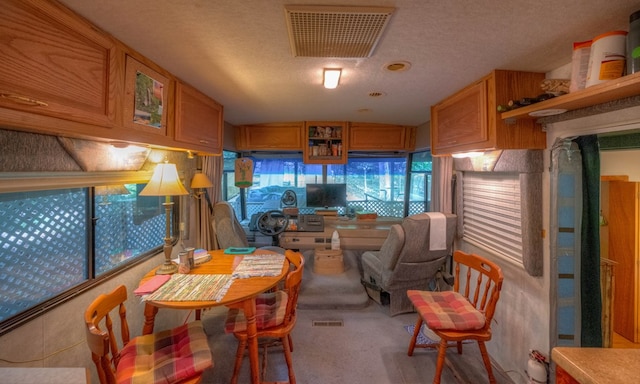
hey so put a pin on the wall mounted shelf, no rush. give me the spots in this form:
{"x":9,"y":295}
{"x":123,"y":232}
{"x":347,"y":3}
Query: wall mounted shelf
{"x":621,"y":88}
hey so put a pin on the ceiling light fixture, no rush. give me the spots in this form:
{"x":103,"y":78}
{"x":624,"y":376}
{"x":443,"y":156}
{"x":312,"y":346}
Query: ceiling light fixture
{"x":332,"y":77}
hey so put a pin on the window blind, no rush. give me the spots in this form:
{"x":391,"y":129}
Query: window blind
{"x":492,"y":212}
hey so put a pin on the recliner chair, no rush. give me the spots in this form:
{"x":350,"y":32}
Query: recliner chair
{"x":409,"y":258}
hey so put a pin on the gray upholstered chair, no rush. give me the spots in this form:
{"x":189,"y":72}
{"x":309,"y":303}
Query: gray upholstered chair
{"x":229,"y":232}
{"x":227,"y":228}
{"x":409,"y":258}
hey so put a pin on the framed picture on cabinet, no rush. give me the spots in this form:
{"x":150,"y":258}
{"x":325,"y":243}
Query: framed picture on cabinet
{"x":146,"y":97}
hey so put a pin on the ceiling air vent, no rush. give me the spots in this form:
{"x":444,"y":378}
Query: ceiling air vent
{"x":335,"y":31}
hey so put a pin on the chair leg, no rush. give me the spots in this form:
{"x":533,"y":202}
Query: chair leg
{"x":290,"y":342}
{"x":286,"y":347}
{"x":487,"y":362}
{"x":416,"y":331}
{"x":442,"y":351}
{"x":459,"y":347}
{"x":242,"y":345}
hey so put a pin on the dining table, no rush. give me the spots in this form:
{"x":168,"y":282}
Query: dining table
{"x":241,"y":293}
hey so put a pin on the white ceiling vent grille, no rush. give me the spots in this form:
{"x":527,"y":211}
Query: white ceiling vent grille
{"x":335,"y":31}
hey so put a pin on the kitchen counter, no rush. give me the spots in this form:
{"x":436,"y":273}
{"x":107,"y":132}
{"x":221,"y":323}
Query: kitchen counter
{"x":599,"y":365}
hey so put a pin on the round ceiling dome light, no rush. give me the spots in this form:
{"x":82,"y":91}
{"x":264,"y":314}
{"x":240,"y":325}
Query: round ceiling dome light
{"x":398,"y":66}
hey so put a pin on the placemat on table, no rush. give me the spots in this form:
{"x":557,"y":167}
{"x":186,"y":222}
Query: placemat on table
{"x":185,"y":287}
{"x":260,"y":265}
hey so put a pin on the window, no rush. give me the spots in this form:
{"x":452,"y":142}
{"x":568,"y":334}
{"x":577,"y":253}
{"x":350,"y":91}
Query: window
{"x":46,"y":251}
{"x":491,"y":212}
{"x":229,"y":189}
{"x":419,"y":183}
{"x":499,"y":199}
{"x":373,"y":183}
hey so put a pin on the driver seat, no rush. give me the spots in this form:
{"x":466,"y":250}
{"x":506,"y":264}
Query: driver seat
{"x":228,"y":231}
{"x":227,"y":228}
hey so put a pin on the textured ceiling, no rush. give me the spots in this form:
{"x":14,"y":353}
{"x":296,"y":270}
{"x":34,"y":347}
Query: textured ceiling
{"x":238,"y":52}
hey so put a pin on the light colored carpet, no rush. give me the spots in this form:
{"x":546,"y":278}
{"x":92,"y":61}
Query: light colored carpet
{"x":370,"y":347}
{"x":367,"y":346}
{"x":335,"y":291}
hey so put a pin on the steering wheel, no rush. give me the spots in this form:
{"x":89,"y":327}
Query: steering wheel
{"x":272,"y":223}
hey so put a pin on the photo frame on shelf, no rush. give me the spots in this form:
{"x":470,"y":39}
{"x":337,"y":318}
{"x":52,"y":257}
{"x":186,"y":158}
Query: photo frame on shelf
{"x":146,"y":98}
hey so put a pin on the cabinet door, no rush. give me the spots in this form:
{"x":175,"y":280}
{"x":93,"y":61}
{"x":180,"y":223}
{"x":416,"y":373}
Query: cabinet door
{"x":146,"y":98}
{"x":327,"y":142}
{"x":460,"y":121}
{"x":199,"y":121}
{"x":381,"y":137}
{"x":54,"y":64}
{"x":270,"y":137}
{"x":563,"y":377}
{"x":623,"y":249}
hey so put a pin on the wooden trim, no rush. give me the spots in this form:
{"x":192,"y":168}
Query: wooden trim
{"x":614,"y":178}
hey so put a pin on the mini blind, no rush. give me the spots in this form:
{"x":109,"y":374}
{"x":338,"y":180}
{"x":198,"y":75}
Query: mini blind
{"x":492,"y":212}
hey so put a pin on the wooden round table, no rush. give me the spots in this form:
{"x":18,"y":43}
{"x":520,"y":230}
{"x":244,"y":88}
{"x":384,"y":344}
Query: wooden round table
{"x":241,"y":294}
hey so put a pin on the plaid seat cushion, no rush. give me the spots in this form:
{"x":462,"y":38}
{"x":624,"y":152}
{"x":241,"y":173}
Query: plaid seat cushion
{"x":165,"y":357}
{"x":270,"y":310}
{"x":446,"y":310}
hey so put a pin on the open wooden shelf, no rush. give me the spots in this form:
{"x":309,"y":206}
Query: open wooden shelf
{"x":625,"y":86}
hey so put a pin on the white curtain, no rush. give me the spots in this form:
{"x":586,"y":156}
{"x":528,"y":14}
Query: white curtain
{"x":441,"y":190}
{"x":212,"y":166}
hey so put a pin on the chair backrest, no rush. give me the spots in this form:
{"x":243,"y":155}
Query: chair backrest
{"x":292,"y":283}
{"x":227,"y":228}
{"x":421,"y":229}
{"x":481,"y":283}
{"x":100,"y":334}
{"x":392,"y":246}
{"x":419,"y":259}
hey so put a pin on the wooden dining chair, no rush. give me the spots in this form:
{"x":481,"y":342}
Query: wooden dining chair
{"x":177,"y":355}
{"x":462,"y":314}
{"x":275,"y":316}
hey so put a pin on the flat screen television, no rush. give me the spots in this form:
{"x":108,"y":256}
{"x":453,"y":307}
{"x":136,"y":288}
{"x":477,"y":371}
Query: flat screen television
{"x":326,"y":195}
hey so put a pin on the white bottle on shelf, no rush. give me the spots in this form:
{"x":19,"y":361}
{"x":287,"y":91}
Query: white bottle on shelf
{"x":335,"y":241}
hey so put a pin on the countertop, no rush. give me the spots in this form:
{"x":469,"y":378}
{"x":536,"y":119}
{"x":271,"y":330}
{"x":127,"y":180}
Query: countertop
{"x":599,"y":365}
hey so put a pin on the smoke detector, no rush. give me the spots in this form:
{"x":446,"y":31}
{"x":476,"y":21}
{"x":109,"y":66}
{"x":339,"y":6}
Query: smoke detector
{"x":335,"y":31}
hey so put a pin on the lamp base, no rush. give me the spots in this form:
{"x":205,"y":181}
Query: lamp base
{"x":167,"y":269}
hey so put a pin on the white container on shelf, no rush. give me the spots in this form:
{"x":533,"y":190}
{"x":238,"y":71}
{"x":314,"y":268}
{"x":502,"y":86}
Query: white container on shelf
{"x":607,"y":57}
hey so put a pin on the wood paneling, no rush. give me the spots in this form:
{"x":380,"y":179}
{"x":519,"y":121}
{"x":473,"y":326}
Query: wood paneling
{"x":623,"y":248}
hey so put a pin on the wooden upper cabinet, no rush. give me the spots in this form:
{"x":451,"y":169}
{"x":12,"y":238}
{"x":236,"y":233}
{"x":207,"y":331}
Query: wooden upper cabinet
{"x":469,"y":121}
{"x":54,"y":64}
{"x":199,"y":120}
{"x":270,"y":137}
{"x":381,"y":137}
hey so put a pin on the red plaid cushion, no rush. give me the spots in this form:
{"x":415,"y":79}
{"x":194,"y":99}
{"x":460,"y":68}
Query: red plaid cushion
{"x":270,"y":310}
{"x":165,"y":357}
{"x":446,"y":310}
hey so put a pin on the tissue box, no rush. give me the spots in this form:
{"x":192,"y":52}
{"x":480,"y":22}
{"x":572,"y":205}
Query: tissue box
{"x":328,"y":261}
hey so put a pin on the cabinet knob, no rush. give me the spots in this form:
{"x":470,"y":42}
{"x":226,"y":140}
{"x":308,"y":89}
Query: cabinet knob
{"x":203,"y":141}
